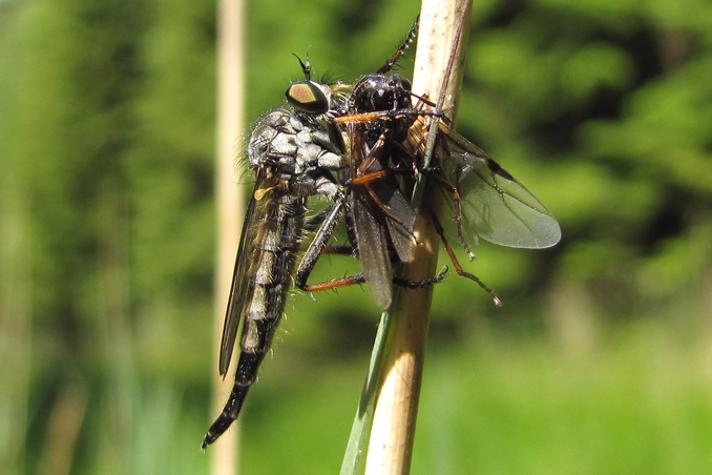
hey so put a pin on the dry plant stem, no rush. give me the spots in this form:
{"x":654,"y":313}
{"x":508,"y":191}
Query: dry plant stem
{"x":229,"y":206}
{"x":391,"y":442}
{"x":65,"y":423}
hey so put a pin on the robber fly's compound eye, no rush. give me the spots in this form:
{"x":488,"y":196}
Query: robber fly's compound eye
{"x":307,"y":96}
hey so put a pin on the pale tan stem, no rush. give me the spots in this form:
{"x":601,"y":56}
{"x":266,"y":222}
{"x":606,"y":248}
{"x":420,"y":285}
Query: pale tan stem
{"x":391,"y":442}
{"x":229,"y":203}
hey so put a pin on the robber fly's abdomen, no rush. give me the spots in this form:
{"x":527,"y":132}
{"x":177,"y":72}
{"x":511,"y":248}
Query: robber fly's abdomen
{"x":274,"y":261}
{"x":271,"y":268}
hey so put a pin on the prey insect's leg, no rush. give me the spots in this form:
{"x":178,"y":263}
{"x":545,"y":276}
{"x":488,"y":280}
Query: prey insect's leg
{"x":457,"y":210}
{"x":458,"y":268}
{"x":423,"y":99}
{"x":401,"y":49}
{"x":372,"y":157}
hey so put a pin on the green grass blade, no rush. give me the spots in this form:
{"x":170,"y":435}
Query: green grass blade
{"x":357,"y":447}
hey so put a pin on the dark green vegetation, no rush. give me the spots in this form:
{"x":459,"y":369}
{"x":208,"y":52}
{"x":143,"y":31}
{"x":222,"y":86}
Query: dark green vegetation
{"x":600,"y":361}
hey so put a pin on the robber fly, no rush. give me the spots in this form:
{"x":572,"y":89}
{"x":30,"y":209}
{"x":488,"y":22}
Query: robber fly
{"x":294,"y":155}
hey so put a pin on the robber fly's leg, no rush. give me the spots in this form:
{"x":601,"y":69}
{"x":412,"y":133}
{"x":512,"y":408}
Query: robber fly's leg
{"x":306,"y":266}
{"x":456,"y":263}
{"x":315,"y":250}
{"x":336,"y":283}
{"x":321,"y":238}
{"x":351,"y":232}
{"x":420,"y":284}
{"x":339,"y":250}
{"x":360,"y":279}
{"x":365,"y":117}
{"x":318,"y":246}
{"x":314,"y":222}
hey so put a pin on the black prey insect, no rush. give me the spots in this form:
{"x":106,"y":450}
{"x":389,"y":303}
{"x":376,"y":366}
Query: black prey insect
{"x":487,"y":201}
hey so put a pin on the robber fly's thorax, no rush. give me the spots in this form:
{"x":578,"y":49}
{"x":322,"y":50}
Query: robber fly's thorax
{"x":297,"y":147}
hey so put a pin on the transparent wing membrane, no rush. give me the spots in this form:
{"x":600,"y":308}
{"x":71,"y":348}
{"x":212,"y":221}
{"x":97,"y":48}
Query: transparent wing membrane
{"x":495,"y":206}
{"x":499,"y":209}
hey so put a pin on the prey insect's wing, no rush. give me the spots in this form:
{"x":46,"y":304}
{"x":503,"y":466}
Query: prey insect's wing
{"x":242,"y":283}
{"x":368,"y":221}
{"x":397,"y":214}
{"x":401,"y":231}
{"x":495,"y":206}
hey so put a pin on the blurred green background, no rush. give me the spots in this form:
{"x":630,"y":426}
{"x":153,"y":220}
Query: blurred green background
{"x":600,"y":361}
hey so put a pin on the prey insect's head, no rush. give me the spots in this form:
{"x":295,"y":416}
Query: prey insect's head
{"x":379,"y":92}
{"x":307,"y":95}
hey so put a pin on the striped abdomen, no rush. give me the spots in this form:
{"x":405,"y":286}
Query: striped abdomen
{"x":280,"y":225}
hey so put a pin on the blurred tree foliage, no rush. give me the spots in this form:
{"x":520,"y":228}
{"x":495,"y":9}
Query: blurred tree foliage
{"x":602,"y":108}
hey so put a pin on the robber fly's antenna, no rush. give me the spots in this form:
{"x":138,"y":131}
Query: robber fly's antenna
{"x":306,"y":68}
{"x":402,"y":48}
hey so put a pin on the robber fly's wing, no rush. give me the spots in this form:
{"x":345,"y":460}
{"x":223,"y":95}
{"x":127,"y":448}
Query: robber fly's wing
{"x":369,"y":227}
{"x":372,"y":245}
{"x":242,"y":283}
{"x":495,"y":206}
